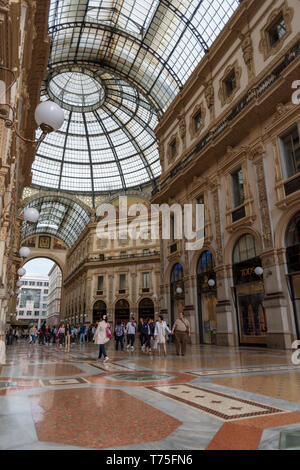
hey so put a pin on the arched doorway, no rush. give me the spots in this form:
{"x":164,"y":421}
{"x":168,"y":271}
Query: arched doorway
{"x":249,"y":292}
{"x":99,"y":309}
{"x":39,"y":292}
{"x":207,"y":298}
{"x":146,"y":309}
{"x":292,"y":243}
{"x":122,"y":311}
{"x":177,"y":290}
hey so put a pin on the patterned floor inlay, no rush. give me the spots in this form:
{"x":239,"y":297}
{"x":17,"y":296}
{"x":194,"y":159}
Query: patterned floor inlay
{"x":75,"y":381}
{"x":139,"y":378}
{"x":221,"y":406}
{"x":108,"y":366}
{"x":50,"y":370}
{"x":246,"y":434}
{"x":98,"y":418}
{"x":142,"y":376}
{"x":239,"y":370}
{"x":281,"y":386}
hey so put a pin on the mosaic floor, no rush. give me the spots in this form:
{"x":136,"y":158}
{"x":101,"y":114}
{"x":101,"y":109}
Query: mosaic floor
{"x":212,"y":398}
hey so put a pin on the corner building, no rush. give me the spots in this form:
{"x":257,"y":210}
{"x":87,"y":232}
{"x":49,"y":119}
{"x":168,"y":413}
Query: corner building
{"x":230,"y":140}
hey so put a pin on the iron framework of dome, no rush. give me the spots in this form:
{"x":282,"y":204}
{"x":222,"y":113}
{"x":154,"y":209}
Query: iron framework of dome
{"x":59,"y":216}
{"x":115,"y":67}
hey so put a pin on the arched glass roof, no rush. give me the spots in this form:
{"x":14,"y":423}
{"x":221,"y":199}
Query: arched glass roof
{"x":59,"y":216}
{"x":115,"y":66}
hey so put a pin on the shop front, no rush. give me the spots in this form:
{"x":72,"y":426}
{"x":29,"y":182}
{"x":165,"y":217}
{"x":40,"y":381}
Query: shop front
{"x":99,"y":309}
{"x":248,"y":292}
{"x":207,"y":298}
{"x":146,"y":309}
{"x":292,"y":242}
{"x":122,"y":311}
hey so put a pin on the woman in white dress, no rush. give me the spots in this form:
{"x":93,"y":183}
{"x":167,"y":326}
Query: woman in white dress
{"x":160,"y":333}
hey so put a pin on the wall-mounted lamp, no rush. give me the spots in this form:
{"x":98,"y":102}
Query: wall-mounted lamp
{"x":48,"y":115}
{"x":259,"y":271}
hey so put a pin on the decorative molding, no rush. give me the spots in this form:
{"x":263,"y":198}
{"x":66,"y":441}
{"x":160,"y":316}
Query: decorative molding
{"x":224,"y":98}
{"x":263,"y":203}
{"x":198,"y":108}
{"x":247,"y":48}
{"x":219,"y":249}
{"x":182,"y":129}
{"x":209,"y":94}
{"x":171,"y":157}
{"x":264,"y":45}
{"x":256,"y":152}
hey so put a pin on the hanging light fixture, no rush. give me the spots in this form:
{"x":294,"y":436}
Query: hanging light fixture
{"x":24,"y":252}
{"x":19,"y":283}
{"x":211,"y":282}
{"x":21,"y":271}
{"x":179,"y":290}
{"x":48,"y":115}
{"x":31,"y":215}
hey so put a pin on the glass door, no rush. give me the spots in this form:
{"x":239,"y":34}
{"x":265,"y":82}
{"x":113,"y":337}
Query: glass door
{"x":251,"y":313}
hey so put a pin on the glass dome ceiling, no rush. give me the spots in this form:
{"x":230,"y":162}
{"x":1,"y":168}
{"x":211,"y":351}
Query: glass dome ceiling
{"x":115,"y":67}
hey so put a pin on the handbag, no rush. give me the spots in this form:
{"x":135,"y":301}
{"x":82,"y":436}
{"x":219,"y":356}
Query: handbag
{"x":108,"y":332}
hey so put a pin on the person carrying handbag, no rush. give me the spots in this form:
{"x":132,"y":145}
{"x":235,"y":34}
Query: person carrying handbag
{"x":102,"y":336}
{"x":182,"y":331}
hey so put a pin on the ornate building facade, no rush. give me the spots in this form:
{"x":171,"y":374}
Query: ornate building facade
{"x":119,"y":276}
{"x":24,"y":47}
{"x":230,"y":141}
{"x":54,"y":297}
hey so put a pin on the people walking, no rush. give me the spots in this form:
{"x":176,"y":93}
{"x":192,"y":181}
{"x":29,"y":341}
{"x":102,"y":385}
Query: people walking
{"x":32,"y":335}
{"x":101,"y":337}
{"x":67,"y":336}
{"x":161,"y":333}
{"x":61,"y":335}
{"x":182,"y":330}
{"x":82,"y":334}
{"x":141,"y":333}
{"x":131,"y":332}
{"x":54,"y":334}
{"x":148,"y":333}
{"x":119,"y":335}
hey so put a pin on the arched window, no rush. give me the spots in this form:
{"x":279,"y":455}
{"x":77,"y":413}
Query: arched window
{"x":244,"y":249}
{"x":205,"y":263}
{"x":292,"y":235}
{"x":177,"y":273}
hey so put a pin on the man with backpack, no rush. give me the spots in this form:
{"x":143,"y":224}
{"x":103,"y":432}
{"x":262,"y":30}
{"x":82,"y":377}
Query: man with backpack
{"x":119,"y":335}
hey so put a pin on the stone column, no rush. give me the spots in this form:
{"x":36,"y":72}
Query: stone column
{"x":279,"y":334}
{"x":89,"y":300}
{"x":134,"y":290}
{"x":275,"y":301}
{"x":226,"y":334}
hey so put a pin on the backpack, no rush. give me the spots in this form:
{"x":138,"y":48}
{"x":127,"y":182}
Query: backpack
{"x":119,"y":330}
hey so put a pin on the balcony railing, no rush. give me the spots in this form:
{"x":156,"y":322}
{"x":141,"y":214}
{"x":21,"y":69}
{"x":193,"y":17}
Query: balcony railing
{"x":112,"y":258}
